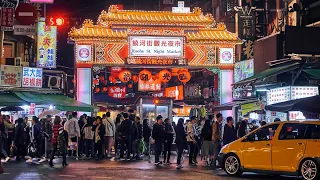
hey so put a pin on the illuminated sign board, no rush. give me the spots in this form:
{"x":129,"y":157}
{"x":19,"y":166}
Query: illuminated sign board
{"x":156,"y":46}
{"x":226,"y":55}
{"x":32,"y":77}
{"x":83,"y":52}
{"x":46,"y":45}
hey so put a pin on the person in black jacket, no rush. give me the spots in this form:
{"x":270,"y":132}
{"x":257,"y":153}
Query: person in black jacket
{"x":158,"y":134}
{"x":125,"y":131}
{"x":168,"y":140}
{"x":207,"y":147}
{"x":146,"y":135}
{"x":229,"y":133}
{"x":99,"y":131}
{"x":139,"y":137}
{"x":20,"y":139}
{"x":181,"y":141}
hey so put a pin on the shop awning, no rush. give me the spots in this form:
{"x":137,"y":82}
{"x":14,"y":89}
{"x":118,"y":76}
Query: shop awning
{"x":61,"y":102}
{"x":230,"y":105}
{"x":104,"y":98}
{"x":309,"y":104}
{"x":10,"y":99}
{"x":270,"y":72}
{"x":314,"y":73}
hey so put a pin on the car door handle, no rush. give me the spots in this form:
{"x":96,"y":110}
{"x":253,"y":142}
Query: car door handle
{"x":268,"y":144}
{"x":300,"y":144}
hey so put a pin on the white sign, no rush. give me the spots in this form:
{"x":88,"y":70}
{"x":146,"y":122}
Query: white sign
{"x":298,"y":92}
{"x":24,"y":30}
{"x":181,"y":8}
{"x":10,"y":76}
{"x":32,"y":77}
{"x":278,"y":95}
{"x":226,"y":56}
{"x":147,"y":46}
{"x":83,"y":52}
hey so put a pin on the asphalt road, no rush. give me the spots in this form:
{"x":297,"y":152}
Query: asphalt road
{"x":107,"y":169}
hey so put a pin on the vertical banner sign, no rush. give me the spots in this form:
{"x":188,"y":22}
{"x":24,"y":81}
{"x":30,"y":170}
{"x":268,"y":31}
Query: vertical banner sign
{"x":32,"y":108}
{"x":7,"y":19}
{"x":46,"y":46}
{"x":32,"y":77}
{"x":10,"y":76}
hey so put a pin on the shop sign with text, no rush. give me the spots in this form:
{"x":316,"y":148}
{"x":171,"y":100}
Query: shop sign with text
{"x":7,"y":19}
{"x":157,"y":62}
{"x":47,"y":45}
{"x":175,"y":92}
{"x":32,"y":77}
{"x":24,"y":30}
{"x":151,"y":85}
{"x":10,"y":76}
{"x":156,"y":46}
{"x":117,"y":92}
{"x":182,"y":112}
{"x":192,"y":91}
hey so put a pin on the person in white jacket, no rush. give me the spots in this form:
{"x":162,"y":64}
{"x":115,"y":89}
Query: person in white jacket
{"x":110,"y":128}
{"x":73,"y":130}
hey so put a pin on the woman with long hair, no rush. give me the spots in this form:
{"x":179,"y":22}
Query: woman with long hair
{"x":181,"y":141}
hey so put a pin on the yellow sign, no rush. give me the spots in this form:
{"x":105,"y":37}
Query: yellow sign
{"x":182,"y":112}
{"x":246,"y":108}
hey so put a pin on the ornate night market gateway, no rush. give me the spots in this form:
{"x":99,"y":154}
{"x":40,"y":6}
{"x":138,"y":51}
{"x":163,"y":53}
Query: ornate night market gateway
{"x":152,"y":39}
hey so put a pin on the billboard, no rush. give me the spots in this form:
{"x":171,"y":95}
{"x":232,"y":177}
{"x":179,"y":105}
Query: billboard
{"x":46,"y":45}
{"x":243,"y":70}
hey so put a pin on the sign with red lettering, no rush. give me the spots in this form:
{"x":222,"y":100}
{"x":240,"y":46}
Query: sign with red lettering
{"x":7,"y":19}
{"x":32,"y":108}
{"x":32,"y":77}
{"x":151,"y":85}
{"x":155,"y":46}
{"x":10,"y":76}
{"x":117,"y":92}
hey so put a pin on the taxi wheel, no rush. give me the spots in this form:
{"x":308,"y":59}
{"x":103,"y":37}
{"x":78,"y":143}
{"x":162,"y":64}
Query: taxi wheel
{"x":232,"y":165}
{"x":309,"y":169}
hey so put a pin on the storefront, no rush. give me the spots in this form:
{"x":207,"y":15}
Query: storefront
{"x":154,"y":41}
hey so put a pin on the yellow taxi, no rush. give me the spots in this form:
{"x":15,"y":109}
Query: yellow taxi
{"x":285,"y":148}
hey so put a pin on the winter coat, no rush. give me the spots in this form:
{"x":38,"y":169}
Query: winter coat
{"x":158,"y":132}
{"x":229,"y":134}
{"x":146,"y":132}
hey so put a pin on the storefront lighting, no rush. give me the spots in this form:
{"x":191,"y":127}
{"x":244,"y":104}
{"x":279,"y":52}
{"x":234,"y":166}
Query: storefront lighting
{"x":262,"y":90}
{"x":51,"y":107}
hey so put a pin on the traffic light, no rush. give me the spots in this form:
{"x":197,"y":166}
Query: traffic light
{"x":55,"y":21}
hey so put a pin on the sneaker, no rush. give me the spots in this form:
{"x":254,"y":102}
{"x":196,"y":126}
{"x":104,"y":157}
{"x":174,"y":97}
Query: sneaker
{"x":157,"y":163}
{"x":42,"y":160}
{"x":122,"y":159}
{"x":179,"y":166}
{"x":7,"y":159}
{"x":29,"y":160}
{"x":192,"y":164}
{"x":195,"y":161}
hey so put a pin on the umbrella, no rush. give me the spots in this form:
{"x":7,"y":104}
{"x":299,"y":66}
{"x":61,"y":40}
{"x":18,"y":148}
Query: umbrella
{"x":309,"y":104}
{"x":51,"y":112}
{"x":12,"y":108}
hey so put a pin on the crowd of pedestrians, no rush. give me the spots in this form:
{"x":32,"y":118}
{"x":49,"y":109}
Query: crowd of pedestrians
{"x":94,"y":137}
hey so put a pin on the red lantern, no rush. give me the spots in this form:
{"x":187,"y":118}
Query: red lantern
{"x":111,"y":78}
{"x":145,"y":75}
{"x":104,"y":89}
{"x":157,"y":76}
{"x":130,"y":86}
{"x":96,"y":81}
{"x":135,"y":78}
{"x":114,"y":81}
{"x":101,"y":78}
{"x":184,"y":76}
{"x":165,"y":76}
{"x":154,"y":77}
{"x":97,"y":90}
{"x":125,"y":76}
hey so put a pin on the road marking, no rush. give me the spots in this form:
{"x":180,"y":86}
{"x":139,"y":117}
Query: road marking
{"x":66,"y":175}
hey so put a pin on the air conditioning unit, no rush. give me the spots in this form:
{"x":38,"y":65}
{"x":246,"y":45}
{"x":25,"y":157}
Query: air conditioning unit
{"x":54,"y":82}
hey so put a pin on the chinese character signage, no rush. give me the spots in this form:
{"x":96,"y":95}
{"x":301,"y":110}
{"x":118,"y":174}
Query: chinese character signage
{"x":154,"y":46}
{"x":278,"y":95}
{"x":117,"y":92}
{"x":10,"y":76}
{"x":151,"y":85}
{"x":182,"y":112}
{"x":83,"y":53}
{"x":24,"y":30}
{"x":32,"y":77}
{"x":7,"y":19}
{"x":226,"y":55}
{"x":42,"y":1}
{"x":243,"y":70}
{"x":32,"y":108}
{"x":175,"y":92}
{"x":192,"y":91}
{"x":157,"y":62}
{"x":246,"y":22}
{"x":47,"y":45}
{"x":298,"y":92}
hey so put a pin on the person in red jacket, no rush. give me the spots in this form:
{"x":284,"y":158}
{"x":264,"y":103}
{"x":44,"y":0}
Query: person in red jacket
{"x":57,"y":128}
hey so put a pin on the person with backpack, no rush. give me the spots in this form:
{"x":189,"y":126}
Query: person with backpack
{"x":73,"y":130}
{"x":88,"y":137}
{"x":57,"y":127}
{"x":110,"y":129}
